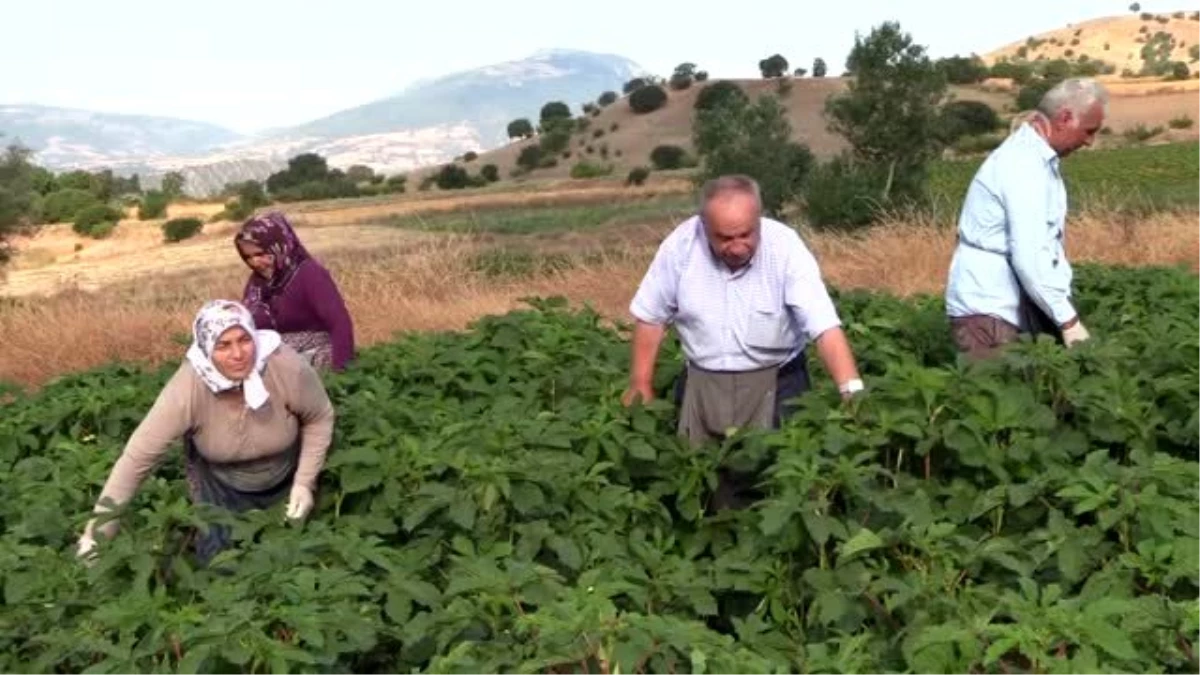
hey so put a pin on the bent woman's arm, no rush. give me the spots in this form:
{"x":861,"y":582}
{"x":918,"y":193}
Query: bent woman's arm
{"x":309,"y":402}
{"x":330,"y":308}
{"x":168,"y":419}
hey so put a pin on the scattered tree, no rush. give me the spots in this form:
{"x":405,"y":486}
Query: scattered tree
{"x":701,"y":75}
{"x":634,"y":84}
{"x":64,"y":204}
{"x":637,"y":175}
{"x":470,"y":156}
{"x":490,"y":173}
{"x":96,"y":221}
{"x":800,"y":72}
{"x":718,"y":93}
{"x":773,"y":66}
{"x":753,"y":139}
{"x":452,"y":177}
{"x":18,"y":195}
{"x":172,"y":184}
{"x":607,"y":98}
{"x":647,"y":99}
{"x":520,"y":128}
{"x":360,"y":173}
{"x":154,"y":205}
{"x":819,"y":67}
{"x":530,"y":157}
{"x":554,"y":110}
{"x":890,"y":112}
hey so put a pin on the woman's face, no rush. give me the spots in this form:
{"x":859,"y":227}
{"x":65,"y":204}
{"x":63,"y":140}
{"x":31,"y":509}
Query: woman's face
{"x":262,"y":262}
{"x":234,"y":353}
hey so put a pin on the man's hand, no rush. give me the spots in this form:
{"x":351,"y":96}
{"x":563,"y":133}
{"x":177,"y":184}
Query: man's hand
{"x":642,"y":391}
{"x":299,"y":503}
{"x":646,"y":339}
{"x":834,"y":350}
{"x":1074,"y":332}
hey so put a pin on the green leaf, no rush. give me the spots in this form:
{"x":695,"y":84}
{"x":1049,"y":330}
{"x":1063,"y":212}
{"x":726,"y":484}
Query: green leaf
{"x":1108,"y":638}
{"x":462,"y":512}
{"x":526,"y":497}
{"x":776,"y":515}
{"x":863,"y":540}
{"x":640,"y":449}
{"x":566,"y":550}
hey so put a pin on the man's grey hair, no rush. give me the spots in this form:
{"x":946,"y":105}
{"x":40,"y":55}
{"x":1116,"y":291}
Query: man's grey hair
{"x":731,"y":184}
{"x":1076,"y":94}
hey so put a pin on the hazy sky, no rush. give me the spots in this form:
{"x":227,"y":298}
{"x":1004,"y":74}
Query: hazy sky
{"x":254,"y":64}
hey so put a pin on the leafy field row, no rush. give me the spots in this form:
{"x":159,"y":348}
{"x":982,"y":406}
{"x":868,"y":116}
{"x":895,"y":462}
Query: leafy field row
{"x":1135,"y":177}
{"x":489,"y":507}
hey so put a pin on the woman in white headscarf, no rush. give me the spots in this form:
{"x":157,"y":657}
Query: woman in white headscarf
{"x":254,"y":417}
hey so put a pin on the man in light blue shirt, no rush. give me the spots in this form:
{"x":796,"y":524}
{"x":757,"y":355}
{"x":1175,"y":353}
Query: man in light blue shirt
{"x":1010,"y":272}
{"x":746,"y":298}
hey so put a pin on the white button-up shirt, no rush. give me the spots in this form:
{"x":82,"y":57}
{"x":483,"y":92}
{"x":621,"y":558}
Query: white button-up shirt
{"x":1016,"y":207}
{"x":760,"y":315}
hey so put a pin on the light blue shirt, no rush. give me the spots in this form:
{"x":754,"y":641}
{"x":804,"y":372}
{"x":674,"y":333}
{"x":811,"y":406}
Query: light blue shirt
{"x":1016,"y":207}
{"x":758,"y":316}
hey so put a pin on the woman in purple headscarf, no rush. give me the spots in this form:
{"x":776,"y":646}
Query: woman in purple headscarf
{"x":293,"y":294}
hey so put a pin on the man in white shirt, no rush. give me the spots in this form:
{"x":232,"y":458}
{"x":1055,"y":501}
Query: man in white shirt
{"x":1010,"y":272}
{"x":746,"y":296}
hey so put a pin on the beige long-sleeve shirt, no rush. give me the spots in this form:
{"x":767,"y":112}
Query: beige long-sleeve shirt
{"x":249,"y":449}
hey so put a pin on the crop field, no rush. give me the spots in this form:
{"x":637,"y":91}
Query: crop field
{"x":488,"y":506}
{"x":1137,"y":177}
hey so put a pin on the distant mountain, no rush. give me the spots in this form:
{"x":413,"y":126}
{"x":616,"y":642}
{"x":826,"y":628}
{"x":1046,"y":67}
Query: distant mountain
{"x":67,"y":135}
{"x":430,"y":122}
{"x":486,"y":98}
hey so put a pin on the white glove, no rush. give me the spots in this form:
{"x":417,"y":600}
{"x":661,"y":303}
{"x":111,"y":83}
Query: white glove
{"x":1076,"y":333}
{"x":86,"y":550}
{"x":300,"y":502}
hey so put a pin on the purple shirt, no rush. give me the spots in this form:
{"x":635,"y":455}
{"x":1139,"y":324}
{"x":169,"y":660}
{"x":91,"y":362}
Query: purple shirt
{"x":312,"y":302}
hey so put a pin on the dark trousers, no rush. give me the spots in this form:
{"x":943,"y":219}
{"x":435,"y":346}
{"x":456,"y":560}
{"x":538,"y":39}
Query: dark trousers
{"x":737,"y":489}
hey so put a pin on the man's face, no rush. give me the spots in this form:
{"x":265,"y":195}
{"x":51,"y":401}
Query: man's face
{"x":732,"y":225}
{"x":1071,"y":132}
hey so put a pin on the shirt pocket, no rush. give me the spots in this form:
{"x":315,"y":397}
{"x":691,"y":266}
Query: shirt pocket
{"x":770,"y":329}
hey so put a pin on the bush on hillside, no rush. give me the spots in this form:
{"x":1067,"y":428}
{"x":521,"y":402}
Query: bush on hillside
{"x":452,"y":177}
{"x":555,"y":142}
{"x":719,"y":93}
{"x":966,"y":118}
{"x":963,"y":69}
{"x":177,"y":229}
{"x":63,"y":205}
{"x":634,"y":84}
{"x":586,"y":169}
{"x":701,"y":75}
{"x":96,"y":221}
{"x":667,"y":157}
{"x":637,"y":175}
{"x":1020,"y":73}
{"x":647,"y":99}
{"x":530,"y":157}
{"x":154,"y":205}
{"x":470,"y":156}
{"x":607,"y":98}
{"x":1179,"y":71}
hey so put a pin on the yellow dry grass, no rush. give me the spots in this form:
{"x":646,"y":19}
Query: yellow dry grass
{"x":432,"y":285}
{"x":1113,"y":39}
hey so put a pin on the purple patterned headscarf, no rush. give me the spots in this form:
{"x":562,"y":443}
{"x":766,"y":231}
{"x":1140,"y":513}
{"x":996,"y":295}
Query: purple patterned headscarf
{"x":272,"y":233}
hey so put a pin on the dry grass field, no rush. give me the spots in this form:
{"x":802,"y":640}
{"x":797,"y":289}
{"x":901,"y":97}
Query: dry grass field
{"x":405,"y":281}
{"x":1114,"y":39}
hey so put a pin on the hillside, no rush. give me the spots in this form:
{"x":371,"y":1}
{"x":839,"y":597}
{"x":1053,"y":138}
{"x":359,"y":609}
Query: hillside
{"x":629,"y":144}
{"x":1118,"y":40}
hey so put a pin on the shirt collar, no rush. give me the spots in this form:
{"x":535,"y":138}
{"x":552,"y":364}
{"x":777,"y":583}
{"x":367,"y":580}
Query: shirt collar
{"x":1044,"y":150}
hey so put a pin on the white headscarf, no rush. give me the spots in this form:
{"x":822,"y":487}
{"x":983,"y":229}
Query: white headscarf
{"x":213,"y":319}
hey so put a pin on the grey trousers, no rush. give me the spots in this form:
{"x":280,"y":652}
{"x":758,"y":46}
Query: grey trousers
{"x":711,"y":402}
